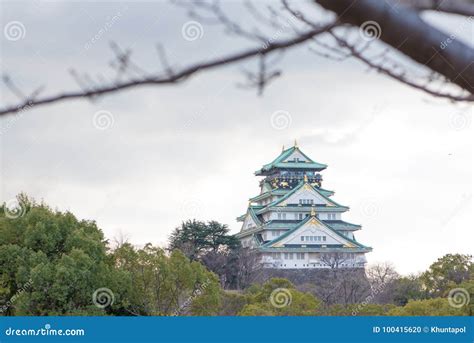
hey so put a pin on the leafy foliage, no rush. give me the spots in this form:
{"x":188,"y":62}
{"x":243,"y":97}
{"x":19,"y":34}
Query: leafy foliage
{"x":279,"y":297}
{"x":51,"y":262}
{"x":359,"y":309}
{"x":449,"y":271}
{"x":428,"y":307}
{"x":158,"y":284}
{"x":195,"y":238}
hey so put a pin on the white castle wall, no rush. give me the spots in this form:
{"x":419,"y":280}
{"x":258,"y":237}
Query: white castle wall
{"x":310,"y":261}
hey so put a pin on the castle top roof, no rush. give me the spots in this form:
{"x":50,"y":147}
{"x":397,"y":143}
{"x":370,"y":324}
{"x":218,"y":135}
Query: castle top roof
{"x":291,"y":158}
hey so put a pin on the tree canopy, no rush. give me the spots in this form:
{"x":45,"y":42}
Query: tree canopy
{"x":51,"y":263}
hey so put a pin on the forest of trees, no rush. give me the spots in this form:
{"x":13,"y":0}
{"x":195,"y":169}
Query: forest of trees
{"x":54,"y":264}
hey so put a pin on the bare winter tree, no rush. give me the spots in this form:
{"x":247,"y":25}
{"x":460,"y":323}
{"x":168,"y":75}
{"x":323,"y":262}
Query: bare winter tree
{"x":383,"y":279}
{"x":340,"y":285}
{"x":387,"y":36}
{"x":381,"y":273}
{"x":333,"y":260}
{"x":248,"y":268}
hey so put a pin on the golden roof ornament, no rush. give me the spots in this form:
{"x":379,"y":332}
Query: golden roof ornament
{"x":296,"y":144}
{"x":283,"y":148}
{"x":305,"y":178}
{"x":313,"y":212}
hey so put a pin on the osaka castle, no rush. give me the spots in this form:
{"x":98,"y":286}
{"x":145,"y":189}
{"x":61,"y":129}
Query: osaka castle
{"x":294,"y":223}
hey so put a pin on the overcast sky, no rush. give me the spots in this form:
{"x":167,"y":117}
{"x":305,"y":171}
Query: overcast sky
{"x":401,"y":160}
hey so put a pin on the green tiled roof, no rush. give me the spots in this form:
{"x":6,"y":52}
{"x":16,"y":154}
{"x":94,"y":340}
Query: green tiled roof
{"x":284,"y":191}
{"x":326,"y":192}
{"x":280,"y":224}
{"x":269,"y":193}
{"x":289,"y":232}
{"x":287,"y":195}
{"x":254,"y":216}
{"x":278,"y":162}
{"x":342,"y":225}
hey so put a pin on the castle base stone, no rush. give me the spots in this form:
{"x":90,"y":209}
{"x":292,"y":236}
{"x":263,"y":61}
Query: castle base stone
{"x":309,"y":276}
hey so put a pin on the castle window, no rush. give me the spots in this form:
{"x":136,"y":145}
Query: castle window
{"x":302,"y":238}
{"x":324,"y":238}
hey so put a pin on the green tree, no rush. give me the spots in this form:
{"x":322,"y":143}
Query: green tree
{"x":428,"y":307}
{"x":232,"y":302}
{"x":466,"y":292}
{"x":158,"y":284}
{"x":196,"y":238}
{"x":211,"y":244}
{"x":361,"y":309}
{"x":278,"y":297}
{"x":447,"y":272}
{"x":407,"y":288}
{"x":50,"y":262}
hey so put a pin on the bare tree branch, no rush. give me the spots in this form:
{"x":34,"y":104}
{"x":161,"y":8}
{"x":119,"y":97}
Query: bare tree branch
{"x":406,"y":32}
{"x":399,"y":77}
{"x":460,"y":7}
{"x":176,"y":77}
{"x":450,"y":61}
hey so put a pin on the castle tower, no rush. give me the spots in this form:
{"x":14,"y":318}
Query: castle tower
{"x":294,"y":223}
